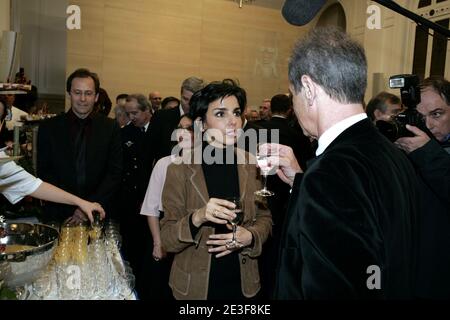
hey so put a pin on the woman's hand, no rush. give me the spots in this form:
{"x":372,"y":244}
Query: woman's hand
{"x":216,"y":211}
{"x":219,"y":241}
{"x":158,"y":252}
{"x":89,"y":207}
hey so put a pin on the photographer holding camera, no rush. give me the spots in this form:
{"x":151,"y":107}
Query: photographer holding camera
{"x":432,"y":163}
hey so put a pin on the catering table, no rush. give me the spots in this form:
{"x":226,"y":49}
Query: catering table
{"x":86,"y":264}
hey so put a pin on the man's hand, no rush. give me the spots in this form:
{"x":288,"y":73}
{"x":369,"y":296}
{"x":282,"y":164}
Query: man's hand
{"x":410,"y":144}
{"x":283,"y":157}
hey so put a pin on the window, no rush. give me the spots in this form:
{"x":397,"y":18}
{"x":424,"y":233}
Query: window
{"x":430,"y":48}
{"x":424,"y":3}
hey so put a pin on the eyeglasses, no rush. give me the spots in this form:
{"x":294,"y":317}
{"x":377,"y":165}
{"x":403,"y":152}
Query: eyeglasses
{"x":79,"y":93}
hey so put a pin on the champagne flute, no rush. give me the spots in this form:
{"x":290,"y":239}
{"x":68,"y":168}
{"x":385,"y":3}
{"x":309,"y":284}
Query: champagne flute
{"x":265,"y":168}
{"x":238,"y":210}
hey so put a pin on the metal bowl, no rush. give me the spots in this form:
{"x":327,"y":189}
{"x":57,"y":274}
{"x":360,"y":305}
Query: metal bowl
{"x":23,"y":267}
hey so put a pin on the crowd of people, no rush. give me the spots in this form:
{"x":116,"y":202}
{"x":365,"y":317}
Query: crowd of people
{"x":353,"y":215}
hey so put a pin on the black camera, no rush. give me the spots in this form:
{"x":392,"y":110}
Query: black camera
{"x":410,"y":95}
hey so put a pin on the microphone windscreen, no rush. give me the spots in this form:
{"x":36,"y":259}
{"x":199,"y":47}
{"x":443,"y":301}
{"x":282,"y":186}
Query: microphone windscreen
{"x":301,"y":12}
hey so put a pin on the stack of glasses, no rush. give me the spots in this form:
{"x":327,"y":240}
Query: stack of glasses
{"x":87,"y":265}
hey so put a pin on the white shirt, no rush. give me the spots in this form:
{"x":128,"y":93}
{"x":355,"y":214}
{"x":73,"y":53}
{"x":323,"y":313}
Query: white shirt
{"x":332,"y":133}
{"x":15,"y":118}
{"x":15,"y":182}
{"x":152,"y":202}
{"x":146,"y":126}
{"x":181,"y":110}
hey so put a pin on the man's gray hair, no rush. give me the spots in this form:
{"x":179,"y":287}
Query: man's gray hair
{"x":192,"y":84}
{"x":334,"y":61}
{"x":143,"y":103}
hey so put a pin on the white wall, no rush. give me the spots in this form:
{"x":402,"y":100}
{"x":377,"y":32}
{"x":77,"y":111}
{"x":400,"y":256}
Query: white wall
{"x":4,"y":16}
{"x":42,"y":24}
{"x":389,"y":50}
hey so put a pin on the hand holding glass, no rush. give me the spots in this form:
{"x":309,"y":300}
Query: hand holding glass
{"x":238,"y":210}
{"x":265,"y":166}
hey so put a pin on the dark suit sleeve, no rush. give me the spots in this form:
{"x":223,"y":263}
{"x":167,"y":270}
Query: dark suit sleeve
{"x":155,"y":135}
{"x":433,"y":164}
{"x":44,"y":155}
{"x":111,"y":182}
{"x":337,"y":239}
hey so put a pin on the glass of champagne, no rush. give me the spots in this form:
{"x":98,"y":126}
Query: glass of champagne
{"x":265,"y":167}
{"x":238,"y":210}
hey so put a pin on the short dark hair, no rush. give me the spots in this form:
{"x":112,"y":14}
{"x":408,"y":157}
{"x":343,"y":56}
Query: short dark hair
{"x":334,"y":61}
{"x":438,"y":84}
{"x":280,"y":104}
{"x":167,"y":100}
{"x":379,"y":103}
{"x":142,"y":101}
{"x":83,"y":73}
{"x":215,"y":90}
{"x":104,"y":103}
{"x":121,"y":96}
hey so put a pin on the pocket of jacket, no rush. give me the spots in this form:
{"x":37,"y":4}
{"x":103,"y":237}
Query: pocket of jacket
{"x":180,"y":279}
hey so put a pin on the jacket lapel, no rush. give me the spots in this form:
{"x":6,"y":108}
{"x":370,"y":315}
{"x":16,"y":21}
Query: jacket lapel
{"x":242,"y":172}
{"x":198,"y":182}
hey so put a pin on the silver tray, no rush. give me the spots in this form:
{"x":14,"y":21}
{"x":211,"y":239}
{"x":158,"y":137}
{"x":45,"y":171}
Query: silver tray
{"x":20,"y":268}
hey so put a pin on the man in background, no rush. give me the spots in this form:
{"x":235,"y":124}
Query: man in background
{"x":80,"y":151}
{"x":165,"y":121}
{"x":432,"y":163}
{"x":155,"y":100}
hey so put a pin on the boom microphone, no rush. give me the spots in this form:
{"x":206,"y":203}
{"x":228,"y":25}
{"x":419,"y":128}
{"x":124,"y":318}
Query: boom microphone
{"x":301,"y":12}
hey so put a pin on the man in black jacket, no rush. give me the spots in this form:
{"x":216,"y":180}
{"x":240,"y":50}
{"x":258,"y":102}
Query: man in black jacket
{"x":350,"y":231}
{"x":432,"y":163}
{"x":136,"y":176}
{"x":278,"y":126}
{"x":80,"y":151}
{"x":165,"y":122}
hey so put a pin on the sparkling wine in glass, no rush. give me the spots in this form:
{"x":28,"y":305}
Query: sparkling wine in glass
{"x":265,"y":167}
{"x":236,"y":221}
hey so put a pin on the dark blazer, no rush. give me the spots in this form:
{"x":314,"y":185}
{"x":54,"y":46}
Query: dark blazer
{"x":246,"y":140}
{"x":300,"y":144}
{"x":432,"y":163}
{"x":163,"y":124}
{"x":137,"y":165}
{"x":355,"y":207}
{"x":136,"y":175}
{"x":291,"y":137}
{"x":56,"y":163}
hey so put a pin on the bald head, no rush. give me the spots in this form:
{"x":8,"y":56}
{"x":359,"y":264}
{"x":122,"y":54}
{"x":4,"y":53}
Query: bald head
{"x":155,"y":99}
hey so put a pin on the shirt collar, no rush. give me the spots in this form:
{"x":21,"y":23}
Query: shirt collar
{"x":74,"y":118}
{"x":278,"y":116}
{"x":146,"y":126}
{"x":181,"y":110}
{"x":332,"y":133}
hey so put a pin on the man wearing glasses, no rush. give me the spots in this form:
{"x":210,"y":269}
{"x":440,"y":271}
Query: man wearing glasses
{"x":80,"y":151}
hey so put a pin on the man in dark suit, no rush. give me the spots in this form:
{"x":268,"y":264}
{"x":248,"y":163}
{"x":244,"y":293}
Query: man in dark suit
{"x":165,"y":121}
{"x":351,"y":226}
{"x":136,"y":175}
{"x":278,"y":127}
{"x":433,"y":166}
{"x":80,"y":151}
